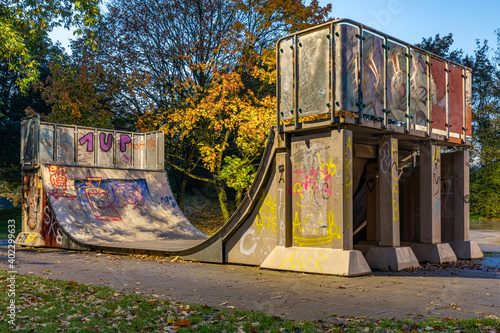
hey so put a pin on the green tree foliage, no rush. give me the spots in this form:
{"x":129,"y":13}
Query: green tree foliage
{"x":25,"y":54}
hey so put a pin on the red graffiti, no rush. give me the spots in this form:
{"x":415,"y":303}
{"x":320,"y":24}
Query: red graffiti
{"x":59,"y":182}
{"x":99,"y":201}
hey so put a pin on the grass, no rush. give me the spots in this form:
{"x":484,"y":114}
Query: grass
{"x":7,"y":214}
{"x":44,"y":305}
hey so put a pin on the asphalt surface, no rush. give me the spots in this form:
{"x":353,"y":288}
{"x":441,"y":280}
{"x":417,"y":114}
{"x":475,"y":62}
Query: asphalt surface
{"x":462,"y":290}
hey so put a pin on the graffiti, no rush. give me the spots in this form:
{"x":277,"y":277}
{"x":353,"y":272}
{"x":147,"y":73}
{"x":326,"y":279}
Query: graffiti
{"x":348,"y":179}
{"x":151,"y":144}
{"x":124,"y":140}
{"x":267,"y":214}
{"x":59,"y":182}
{"x":281,"y":216}
{"x":103,"y":199}
{"x":30,"y":195}
{"x":385,"y":157}
{"x":126,"y":194}
{"x":89,"y":140}
{"x":436,"y":174}
{"x":167,"y":201}
{"x":263,"y":235}
{"x":261,"y":241}
{"x":85,"y":155}
{"x":46,"y":144}
{"x":26,"y":238}
{"x":314,"y":231}
{"x":64,"y":144}
{"x":50,"y":229}
{"x":314,"y":182}
{"x":300,"y":262}
{"x":395,"y":180}
{"x":106,"y":144}
{"x":127,"y":159}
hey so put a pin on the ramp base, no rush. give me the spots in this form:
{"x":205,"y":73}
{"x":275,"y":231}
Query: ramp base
{"x":466,"y":249}
{"x":391,"y":258}
{"x":434,"y":253}
{"x":33,"y":239}
{"x":317,"y":260}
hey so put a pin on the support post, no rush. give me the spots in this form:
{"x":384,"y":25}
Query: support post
{"x":462,"y":246}
{"x":430,"y":194}
{"x":388,"y":190}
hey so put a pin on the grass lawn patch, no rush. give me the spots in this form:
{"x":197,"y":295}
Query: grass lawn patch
{"x":44,"y":305}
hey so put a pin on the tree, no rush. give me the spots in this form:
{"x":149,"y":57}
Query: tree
{"x":25,"y":51}
{"x":197,"y":68}
{"x":23,"y":22}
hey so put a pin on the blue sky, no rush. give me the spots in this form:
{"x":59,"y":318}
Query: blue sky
{"x":410,"y":20}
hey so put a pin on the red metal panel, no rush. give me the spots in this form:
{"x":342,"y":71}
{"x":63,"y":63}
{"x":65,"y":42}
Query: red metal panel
{"x":456,"y":100}
{"x":468,"y":101}
{"x":438,"y":94}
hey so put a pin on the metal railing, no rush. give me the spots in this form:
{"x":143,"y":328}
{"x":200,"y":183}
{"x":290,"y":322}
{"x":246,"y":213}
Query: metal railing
{"x":344,"y":67}
{"x":46,"y":143}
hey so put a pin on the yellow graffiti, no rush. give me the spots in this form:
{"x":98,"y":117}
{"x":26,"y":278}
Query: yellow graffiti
{"x":31,"y":238}
{"x":332,"y":230}
{"x":395,"y":177}
{"x":348,"y":177}
{"x":267,"y":214}
{"x":301,"y":262}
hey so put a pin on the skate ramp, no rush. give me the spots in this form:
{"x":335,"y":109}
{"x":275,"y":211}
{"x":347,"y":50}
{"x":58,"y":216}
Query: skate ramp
{"x":117,"y":207}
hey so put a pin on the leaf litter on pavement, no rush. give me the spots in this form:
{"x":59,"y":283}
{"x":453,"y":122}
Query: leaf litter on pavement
{"x":45,"y":305}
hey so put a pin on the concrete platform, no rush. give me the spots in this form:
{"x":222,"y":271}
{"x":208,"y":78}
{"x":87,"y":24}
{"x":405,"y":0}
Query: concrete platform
{"x":434,"y":253}
{"x":466,"y":249}
{"x":317,"y":260}
{"x":391,"y":258}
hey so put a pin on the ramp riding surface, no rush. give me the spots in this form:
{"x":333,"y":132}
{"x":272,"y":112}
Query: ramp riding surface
{"x":118,"y":208}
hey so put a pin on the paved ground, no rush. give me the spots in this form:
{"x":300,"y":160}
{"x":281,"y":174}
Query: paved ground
{"x":467,"y":289}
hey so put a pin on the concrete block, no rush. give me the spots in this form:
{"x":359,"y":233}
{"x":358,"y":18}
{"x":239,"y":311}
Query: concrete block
{"x":391,"y":258}
{"x":434,"y":253}
{"x":466,"y":249}
{"x":317,"y":260}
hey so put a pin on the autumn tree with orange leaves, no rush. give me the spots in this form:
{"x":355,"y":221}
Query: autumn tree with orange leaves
{"x":204,"y":72}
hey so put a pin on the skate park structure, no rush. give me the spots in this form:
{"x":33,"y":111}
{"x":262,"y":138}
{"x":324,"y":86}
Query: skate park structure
{"x":367,"y":168}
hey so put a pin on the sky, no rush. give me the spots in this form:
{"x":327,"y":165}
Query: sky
{"x":410,"y":20}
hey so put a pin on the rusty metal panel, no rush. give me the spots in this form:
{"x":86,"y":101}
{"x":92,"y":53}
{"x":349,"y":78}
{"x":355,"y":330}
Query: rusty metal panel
{"x":286,"y":79}
{"x":85,"y":146}
{"x":438,"y":95}
{"x":46,"y":143}
{"x":418,"y":88}
{"x":373,"y":75}
{"x":397,"y":82}
{"x":456,"y":100}
{"x":65,"y":145}
{"x":468,"y":102}
{"x":29,"y":142}
{"x":314,"y":72}
{"x":346,"y":68}
{"x":106,"y":149}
